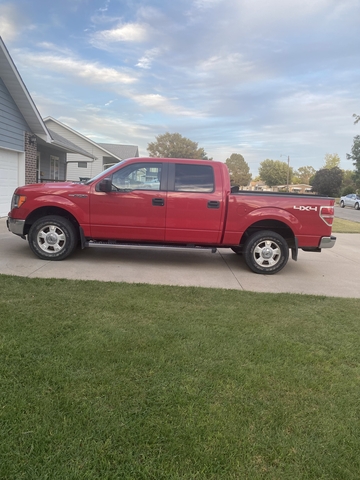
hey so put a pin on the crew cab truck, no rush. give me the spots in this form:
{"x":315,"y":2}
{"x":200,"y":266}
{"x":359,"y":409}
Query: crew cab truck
{"x":171,"y":202}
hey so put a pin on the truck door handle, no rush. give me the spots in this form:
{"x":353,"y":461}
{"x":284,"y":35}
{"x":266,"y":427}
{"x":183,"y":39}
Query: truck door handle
{"x":213,"y":204}
{"x":158,"y":202}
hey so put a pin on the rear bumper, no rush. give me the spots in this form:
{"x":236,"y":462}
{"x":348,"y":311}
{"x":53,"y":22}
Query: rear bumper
{"x":327,"y":242}
{"x":16,"y":226}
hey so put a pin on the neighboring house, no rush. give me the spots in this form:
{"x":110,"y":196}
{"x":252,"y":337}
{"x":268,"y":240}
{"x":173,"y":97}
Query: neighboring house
{"x":52,"y":161}
{"x":27,"y":147}
{"x":258,"y":186}
{"x":294,"y":188}
{"x":104,"y":154}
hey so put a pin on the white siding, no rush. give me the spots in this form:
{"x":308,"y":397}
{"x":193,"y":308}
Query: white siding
{"x":12,"y":174}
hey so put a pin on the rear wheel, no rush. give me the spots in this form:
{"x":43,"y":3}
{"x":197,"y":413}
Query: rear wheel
{"x":342,"y":204}
{"x":52,"y":238}
{"x":357,"y":206}
{"x":266,"y":252}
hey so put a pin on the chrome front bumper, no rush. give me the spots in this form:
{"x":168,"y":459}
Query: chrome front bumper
{"x":16,"y":226}
{"x":327,"y":242}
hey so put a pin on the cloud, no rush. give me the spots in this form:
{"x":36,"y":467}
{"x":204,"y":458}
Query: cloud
{"x":204,"y":4}
{"x":162,"y":104}
{"x":114,"y":129}
{"x":232,"y":66}
{"x":10,"y":18}
{"x":126,"y":32}
{"x":147,"y":59}
{"x":91,"y":72}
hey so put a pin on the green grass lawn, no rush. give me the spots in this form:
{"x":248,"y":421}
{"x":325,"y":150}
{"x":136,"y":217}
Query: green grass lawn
{"x":345,"y":226}
{"x":119,"y":381}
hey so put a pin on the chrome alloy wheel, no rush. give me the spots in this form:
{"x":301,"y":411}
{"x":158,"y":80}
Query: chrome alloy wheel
{"x":267,"y":253}
{"x":51,"y":238}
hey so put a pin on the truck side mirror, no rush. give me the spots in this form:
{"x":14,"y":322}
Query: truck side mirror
{"x":105,"y":185}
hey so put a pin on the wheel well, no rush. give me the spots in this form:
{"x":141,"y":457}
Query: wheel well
{"x":43,"y":212}
{"x":273,"y":225}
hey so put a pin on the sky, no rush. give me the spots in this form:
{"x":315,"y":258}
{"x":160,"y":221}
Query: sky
{"x":269,"y":79}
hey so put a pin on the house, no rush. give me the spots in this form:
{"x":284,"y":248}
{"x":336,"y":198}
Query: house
{"x":294,"y":188}
{"x":103,"y":154}
{"x":260,"y":186}
{"x":29,"y":151}
{"x":51,"y":165}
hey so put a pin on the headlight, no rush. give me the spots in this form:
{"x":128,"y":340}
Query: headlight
{"x":17,"y":201}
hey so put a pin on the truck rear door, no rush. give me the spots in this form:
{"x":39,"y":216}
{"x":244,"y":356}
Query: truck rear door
{"x":195,"y":204}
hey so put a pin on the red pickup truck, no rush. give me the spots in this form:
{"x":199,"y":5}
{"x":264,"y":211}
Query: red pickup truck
{"x":171,"y":202}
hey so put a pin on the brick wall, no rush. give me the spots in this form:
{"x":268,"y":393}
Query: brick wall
{"x":30,"y":160}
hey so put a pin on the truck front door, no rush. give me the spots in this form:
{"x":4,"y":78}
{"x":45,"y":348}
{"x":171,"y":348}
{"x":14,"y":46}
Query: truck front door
{"x":135,"y":207}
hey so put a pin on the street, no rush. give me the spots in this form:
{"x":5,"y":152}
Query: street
{"x":347,"y":213}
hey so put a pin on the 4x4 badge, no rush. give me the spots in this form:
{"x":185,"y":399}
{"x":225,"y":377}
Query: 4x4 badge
{"x":306,"y":208}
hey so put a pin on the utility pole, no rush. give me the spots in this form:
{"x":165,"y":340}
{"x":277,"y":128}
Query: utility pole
{"x":288,"y":171}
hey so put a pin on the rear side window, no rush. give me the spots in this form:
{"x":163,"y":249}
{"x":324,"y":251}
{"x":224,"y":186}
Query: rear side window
{"x":194,"y":178}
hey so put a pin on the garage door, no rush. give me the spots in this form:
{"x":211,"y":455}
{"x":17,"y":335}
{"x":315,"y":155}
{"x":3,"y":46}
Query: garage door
{"x":9,"y":174}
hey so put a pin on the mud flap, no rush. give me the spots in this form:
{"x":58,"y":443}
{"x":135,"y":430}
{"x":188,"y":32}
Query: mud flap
{"x":83,"y":241}
{"x":295,"y":250}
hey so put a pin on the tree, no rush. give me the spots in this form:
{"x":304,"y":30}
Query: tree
{"x":304,"y":174}
{"x":355,"y":157}
{"x":327,"y":181}
{"x":349,"y":182}
{"x":174,"y":145}
{"x":275,"y":172}
{"x":331,"y":160}
{"x":238,"y":169}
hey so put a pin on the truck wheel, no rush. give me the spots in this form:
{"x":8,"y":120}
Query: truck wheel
{"x":342,"y":204}
{"x":237,"y":250}
{"x":52,"y":238}
{"x":266,"y":252}
{"x":356,"y":206}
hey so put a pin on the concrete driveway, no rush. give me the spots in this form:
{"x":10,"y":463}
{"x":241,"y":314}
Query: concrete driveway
{"x":333,"y":272}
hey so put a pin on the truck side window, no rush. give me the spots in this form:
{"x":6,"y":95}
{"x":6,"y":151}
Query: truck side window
{"x":194,"y":178}
{"x":138,"y":176}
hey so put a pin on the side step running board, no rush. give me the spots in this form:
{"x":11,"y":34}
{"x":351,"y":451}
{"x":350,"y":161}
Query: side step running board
{"x":115,"y":243}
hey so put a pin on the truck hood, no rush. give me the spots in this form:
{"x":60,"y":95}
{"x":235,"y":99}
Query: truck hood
{"x":52,"y":188}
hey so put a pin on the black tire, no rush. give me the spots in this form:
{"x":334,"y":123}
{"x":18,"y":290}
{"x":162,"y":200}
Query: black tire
{"x":237,"y":250}
{"x":357,"y":206}
{"x":52,"y":238}
{"x":266,"y":252}
{"x":342,"y":204}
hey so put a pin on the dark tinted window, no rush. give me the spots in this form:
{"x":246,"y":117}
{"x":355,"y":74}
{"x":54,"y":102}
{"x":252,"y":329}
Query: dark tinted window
{"x":194,"y":178}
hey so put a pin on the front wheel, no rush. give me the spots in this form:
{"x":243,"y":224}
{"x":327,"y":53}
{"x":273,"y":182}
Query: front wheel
{"x":342,"y":204}
{"x":266,"y":252}
{"x":52,"y":238}
{"x":357,"y":206}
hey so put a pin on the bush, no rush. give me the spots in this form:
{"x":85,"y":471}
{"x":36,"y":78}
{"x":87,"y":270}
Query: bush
{"x":347,"y":190}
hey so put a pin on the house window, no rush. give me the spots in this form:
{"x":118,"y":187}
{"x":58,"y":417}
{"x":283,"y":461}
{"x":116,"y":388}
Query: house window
{"x":54,"y":167}
{"x":82,"y":164}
